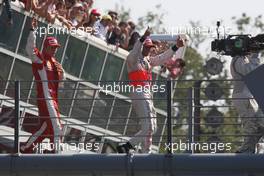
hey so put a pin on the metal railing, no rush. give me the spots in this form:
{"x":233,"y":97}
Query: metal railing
{"x":184,"y":119}
{"x":104,"y":126}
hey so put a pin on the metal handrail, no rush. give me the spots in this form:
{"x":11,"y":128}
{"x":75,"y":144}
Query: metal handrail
{"x":170,"y":121}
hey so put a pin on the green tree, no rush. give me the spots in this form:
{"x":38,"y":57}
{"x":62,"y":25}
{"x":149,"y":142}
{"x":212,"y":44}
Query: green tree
{"x":245,"y":23}
{"x":196,"y":36}
{"x":242,"y":22}
{"x":153,"y":19}
{"x":123,"y":13}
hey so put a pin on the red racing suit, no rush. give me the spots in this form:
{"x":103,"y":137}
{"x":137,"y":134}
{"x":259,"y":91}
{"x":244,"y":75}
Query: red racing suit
{"x":47,"y":72}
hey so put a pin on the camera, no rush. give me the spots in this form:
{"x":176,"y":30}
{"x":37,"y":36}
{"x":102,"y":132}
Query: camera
{"x":238,"y":45}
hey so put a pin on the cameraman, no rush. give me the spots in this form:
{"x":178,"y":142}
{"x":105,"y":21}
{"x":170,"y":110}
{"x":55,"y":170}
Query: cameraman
{"x":245,"y":104}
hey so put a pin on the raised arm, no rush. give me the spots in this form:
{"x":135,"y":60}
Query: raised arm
{"x":134,"y":54}
{"x":31,"y":43}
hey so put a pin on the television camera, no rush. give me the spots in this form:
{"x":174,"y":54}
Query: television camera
{"x":237,"y":45}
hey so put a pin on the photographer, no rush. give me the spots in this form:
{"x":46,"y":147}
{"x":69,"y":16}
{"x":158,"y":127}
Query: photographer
{"x":249,"y":112}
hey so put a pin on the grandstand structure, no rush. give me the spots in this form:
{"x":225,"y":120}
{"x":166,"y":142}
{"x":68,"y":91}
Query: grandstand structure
{"x":95,"y":116}
{"x":90,"y":113}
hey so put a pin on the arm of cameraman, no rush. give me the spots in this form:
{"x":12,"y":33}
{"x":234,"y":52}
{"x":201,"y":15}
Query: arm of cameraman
{"x":244,"y":65}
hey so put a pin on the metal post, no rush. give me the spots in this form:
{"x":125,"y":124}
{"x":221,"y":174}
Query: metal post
{"x":190,"y":118}
{"x":17,"y":116}
{"x":197,"y":111}
{"x":169,"y":127}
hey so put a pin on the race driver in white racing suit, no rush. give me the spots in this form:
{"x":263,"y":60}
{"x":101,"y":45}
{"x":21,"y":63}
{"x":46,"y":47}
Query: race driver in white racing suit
{"x":140,"y":62}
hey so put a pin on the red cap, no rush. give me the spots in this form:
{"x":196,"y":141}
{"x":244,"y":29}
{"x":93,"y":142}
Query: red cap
{"x":148,"y":43}
{"x":95,"y":12}
{"x":51,"y":41}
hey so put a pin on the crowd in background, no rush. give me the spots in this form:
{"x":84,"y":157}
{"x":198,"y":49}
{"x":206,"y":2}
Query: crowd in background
{"x":80,"y":14}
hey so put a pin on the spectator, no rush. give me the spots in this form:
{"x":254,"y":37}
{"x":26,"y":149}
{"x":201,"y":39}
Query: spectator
{"x":115,"y":37}
{"x":39,"y":1}
{"x":69,"y":4}
{"x":62,"y":13}
{"x":61,"y":8}
{"x":77,"y":15}
{"x":51,"y":11}
{"x":101,"y":27}
{"x":113,"y":24}
{"x":8,"y":10}
{"x":87,"y":3}
{"x":27,"y":4}
{"x":133,"y":34}
{"x":44,"y":9}
{"x":114,"y":16}
{"x":174,"y":66}
{"x":119,"y":36}
{"x":90,"y":2}
{"x":86,"y":8}
{"x":124,"y":34}
{"x":94,"y":16}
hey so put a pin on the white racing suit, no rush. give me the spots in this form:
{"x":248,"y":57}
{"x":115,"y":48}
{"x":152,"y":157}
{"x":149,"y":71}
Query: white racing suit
{"x":143,"y":105}
{"x":246,"y":106}
{"x":139,"y":69}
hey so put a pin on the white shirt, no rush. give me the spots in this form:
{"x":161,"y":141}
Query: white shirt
{"x":100,"y":30}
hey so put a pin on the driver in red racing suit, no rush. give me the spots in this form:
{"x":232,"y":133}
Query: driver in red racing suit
{"x":47,"y":72}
